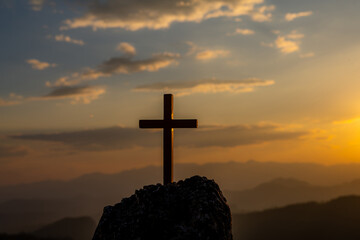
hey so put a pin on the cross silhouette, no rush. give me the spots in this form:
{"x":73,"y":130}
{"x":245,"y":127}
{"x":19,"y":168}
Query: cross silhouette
{"x":168,"y":124}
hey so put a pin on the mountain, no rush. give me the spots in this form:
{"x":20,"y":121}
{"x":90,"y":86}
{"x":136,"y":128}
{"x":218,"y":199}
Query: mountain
{"x":333,"y":220}
{"x":26,"y":207}
{"x":81,"y":228}
{"x":280,"y":192}
{"x":229,"y":175}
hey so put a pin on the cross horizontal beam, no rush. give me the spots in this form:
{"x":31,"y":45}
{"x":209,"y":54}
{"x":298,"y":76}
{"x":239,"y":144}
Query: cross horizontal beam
{"x":173,"y":123}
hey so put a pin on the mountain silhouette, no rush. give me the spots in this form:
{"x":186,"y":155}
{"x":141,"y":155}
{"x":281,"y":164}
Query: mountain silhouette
{"x":280,"y":192}
{"x":230,"y":176}
{"x":248,"y":186}
{"x":333,"y":220}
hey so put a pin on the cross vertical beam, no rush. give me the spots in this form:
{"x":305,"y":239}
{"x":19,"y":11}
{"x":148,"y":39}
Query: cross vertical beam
{"x":168,"y":124}
{"x":168,"y":139}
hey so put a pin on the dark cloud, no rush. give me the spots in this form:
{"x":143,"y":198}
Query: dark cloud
{"x":13,"y":151}
{"x":83,"y":94}
{"x":210,"y":136}
{"x":119,"y":65}
{"x":99,"y":139}
{"x":157,"y":14}
{"x":126,"y":65}
{"x":66,"y":91}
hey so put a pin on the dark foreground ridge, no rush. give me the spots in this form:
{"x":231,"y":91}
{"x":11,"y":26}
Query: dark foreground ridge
{"x":191,"y":209}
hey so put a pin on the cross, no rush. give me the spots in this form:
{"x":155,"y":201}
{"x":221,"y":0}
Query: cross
{"x":168,"y":124}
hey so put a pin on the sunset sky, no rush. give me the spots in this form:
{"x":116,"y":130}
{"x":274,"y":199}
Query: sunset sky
{"x":268,"y":80}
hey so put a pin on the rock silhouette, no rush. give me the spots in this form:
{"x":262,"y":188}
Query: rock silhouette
{"x":191,"y":209}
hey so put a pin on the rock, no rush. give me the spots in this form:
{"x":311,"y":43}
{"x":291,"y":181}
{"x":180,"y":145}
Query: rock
{"x":191,"y":209}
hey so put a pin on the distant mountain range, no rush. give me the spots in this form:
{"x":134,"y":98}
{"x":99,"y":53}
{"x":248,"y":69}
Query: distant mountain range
{"x":280,"y":192}
{"x":334,"y":220}
{"x":247,"y":186}
{"x":229,"y":175}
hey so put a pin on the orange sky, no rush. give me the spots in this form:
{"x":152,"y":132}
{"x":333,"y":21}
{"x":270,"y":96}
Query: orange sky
{"x":267,"y":80}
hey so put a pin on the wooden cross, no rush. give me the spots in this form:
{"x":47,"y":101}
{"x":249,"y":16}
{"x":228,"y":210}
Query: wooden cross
{"x":168,"y":124}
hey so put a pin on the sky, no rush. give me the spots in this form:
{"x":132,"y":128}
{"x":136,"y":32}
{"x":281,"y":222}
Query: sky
{"x":268,"y":80}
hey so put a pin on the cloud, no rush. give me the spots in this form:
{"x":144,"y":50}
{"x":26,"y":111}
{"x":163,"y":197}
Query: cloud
{"x":287,"y":44}
{"x":202,"y":53}
{"x":263,"y":14}
{"x":78,"y":94}
{"x":36,"y":5}
{"x":63,"y":38}
{"x":291,"y":16}
{"x":36,"y":64}
{"x":115,"y":138}
{"x":242,"y":32}
{"x":13,"y":151}
{"x":159,"y":14}
{"x":118,"y":65}
{"x":126,"y":48}
{"x":13,"y":99}
{"x":205,"y":86}
{"x":211,"y":54}
{"x":4,"y":102}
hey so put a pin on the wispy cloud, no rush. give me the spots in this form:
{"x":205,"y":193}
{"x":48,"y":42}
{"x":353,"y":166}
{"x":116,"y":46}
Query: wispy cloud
{"x":38,"y":65}
{"x":211,"y":54}
{"x":7,"y":151}
{"x":68,"y":39}
{"x":182,"y":88}
{"x":158,"y":14}
{"x":12,"y":99}
{"x":291,"y":16}
{"x":77,"y":94}
{"x":9,"y":102}
{"x":242,"y":31}
{"x":36,"y":5}
{"x":203,"y":53}
{"x":126,"y":48}
{"x":115,"y":138}
{"x":118,"y":65}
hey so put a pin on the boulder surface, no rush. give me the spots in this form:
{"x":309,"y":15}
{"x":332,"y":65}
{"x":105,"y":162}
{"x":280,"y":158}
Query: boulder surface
{"x":191,"y":209}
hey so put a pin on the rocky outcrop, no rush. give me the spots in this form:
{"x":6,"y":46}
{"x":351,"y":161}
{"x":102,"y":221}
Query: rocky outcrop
{"x":191,"y":209}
